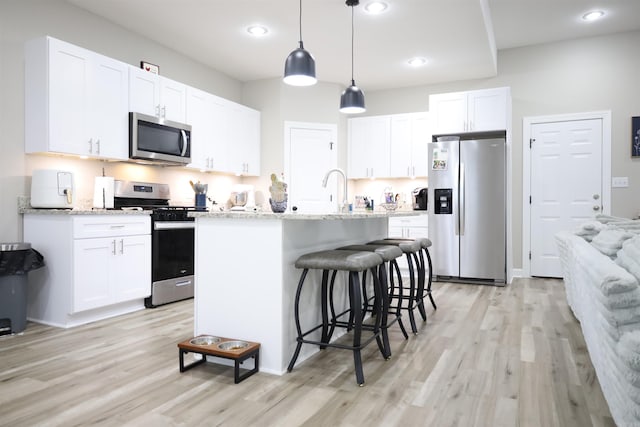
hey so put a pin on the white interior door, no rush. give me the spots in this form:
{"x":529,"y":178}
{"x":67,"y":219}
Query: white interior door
{"x":566,"y":185}
{"x":310,"y":151}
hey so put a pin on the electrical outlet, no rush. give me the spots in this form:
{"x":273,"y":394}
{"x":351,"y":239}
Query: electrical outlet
{"x":619,"y":181}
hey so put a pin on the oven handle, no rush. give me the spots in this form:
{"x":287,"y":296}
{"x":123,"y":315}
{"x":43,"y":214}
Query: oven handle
{"x":173,"y":225}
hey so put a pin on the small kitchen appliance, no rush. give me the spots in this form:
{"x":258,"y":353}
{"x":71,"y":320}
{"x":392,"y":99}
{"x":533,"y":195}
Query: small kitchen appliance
{"x":53,"y":189}
{"x":159,"y":140}
{"x":420,"y":199}
{"x":242,"y":198}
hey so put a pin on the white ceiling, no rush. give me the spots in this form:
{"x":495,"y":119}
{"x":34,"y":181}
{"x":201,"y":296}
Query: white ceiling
{"x":455,"y":36}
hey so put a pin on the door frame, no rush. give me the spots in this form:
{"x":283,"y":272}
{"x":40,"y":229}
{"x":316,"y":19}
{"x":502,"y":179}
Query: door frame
{"x":527,"y":123}
{"x":288,"y":125}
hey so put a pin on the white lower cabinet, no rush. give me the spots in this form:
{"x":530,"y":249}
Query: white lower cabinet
{"x":107,"y":271}
{"x":97,"y":266}
{"x":408,"y":227}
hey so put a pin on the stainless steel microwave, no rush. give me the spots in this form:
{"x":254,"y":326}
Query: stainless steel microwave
{"x":158,"y":140}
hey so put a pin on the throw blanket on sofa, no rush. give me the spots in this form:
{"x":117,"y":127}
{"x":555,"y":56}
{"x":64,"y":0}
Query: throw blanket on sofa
{"x":605,"y":297}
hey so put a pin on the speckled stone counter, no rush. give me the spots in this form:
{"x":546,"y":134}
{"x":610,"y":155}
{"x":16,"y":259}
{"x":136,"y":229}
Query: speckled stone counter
{"x":82,"y":211}
{"x":301,"y":216}
{"x":245,"y":278}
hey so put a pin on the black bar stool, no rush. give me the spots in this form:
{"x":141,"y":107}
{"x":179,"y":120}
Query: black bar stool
{"x":389,"y":253}
{"x":353,"y":262}
{"x":412,"y":251}
{"x":427,"y":275}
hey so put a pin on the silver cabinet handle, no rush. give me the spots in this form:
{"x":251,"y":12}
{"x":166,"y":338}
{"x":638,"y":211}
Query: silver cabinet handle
{"x":158,"y":110}
{"x":164,"y":111}
{"x":113,"y":246}
{"x":90,"y":145}
{"x":97,"y":146}
{"x":122,"y":246}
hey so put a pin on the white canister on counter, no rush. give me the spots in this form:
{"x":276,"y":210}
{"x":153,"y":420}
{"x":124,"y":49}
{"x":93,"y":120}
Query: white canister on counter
{"x":103,"y":192}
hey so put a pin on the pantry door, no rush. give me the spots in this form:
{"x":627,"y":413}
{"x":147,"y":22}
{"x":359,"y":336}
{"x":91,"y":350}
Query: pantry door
{"x":310,"y":151}
{"x":567,"y":184}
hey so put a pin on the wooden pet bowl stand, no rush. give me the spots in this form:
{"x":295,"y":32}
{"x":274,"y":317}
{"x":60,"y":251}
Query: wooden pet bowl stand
{"x":238,"y":355}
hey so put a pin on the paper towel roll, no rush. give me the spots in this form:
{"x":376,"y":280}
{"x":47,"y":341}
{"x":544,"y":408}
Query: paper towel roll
{"x":103,"y":192}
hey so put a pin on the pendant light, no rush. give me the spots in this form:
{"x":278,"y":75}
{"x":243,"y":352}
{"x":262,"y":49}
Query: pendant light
{"x":300,"y":67}
{"x":352,"y":99}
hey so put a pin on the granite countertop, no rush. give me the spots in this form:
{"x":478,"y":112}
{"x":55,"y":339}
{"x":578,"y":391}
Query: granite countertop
{"x":82,"y":211}
{"x":303,"y":216}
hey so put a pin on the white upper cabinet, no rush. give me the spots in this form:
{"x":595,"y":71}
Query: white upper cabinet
{"x":474,"y":111}
{"x":369,"y":147}
{"x":76,"y":101}
{"x":203,"y":117}
{"x":158,"y":96}
{"x":243,"y":147}
{"x":409,"y":138}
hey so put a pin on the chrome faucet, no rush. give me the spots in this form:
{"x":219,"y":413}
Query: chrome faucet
{"x":344,"y":206}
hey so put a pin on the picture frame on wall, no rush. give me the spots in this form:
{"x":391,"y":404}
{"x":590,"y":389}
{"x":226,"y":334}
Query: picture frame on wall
{"x":635,"y":136}
{"x":152,"y":68}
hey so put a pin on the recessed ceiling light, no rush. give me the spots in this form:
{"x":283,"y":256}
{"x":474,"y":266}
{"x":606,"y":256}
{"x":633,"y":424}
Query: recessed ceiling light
{"x":593,"y":15}
{"x":417,"y":61}
{"x":376,"y":7}
{"x":257,"y":30}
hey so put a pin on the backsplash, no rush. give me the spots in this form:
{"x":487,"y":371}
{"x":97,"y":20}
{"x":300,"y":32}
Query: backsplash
{"x":375,"y":189}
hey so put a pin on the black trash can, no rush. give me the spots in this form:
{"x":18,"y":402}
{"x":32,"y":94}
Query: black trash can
{"x":16,"y":261}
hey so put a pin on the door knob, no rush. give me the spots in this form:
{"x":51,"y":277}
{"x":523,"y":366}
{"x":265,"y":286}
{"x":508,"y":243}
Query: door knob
{"x":596,"y":208}
{"x":596,"y":196}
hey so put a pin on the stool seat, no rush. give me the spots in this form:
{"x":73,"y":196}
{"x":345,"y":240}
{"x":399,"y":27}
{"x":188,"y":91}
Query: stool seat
{"x":387,"y":252}
{"x":339,"y":260}
{"x":424,"y":242}
{"x":407,"y":246}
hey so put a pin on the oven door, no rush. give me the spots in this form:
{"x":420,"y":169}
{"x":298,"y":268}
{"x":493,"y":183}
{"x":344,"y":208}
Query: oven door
{"x":172,"y":249}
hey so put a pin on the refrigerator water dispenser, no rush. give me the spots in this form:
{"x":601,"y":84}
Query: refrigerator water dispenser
{"x":443,"y":203}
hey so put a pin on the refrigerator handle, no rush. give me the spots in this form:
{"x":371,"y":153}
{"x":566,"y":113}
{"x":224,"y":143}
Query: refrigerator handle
{"x":461,"y":197}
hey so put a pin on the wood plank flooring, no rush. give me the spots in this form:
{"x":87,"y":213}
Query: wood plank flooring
{"x":489,"y":356}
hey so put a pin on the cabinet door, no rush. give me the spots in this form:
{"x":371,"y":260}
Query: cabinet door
{"x":448,"y":112}
{"x":108,"y":97}
{"x":131,"y":269}
{"x":144,"y":92}
{"x":243,"y":150}
{"x":173,"y":100}
{"x":369,"y":147}
{"x":358,"y":166}
{"x":487,"y":109}
{"x":69,"y":70}
{"x":91,"y":272}
{"x":401,"y":146}
{"x":199,"y":116}
{"x":420,"y":138}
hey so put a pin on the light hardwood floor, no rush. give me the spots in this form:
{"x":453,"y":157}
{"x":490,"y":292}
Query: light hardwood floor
{"x":489,"y":356}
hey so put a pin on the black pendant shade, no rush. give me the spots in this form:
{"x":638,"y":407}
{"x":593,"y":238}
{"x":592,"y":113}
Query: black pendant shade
{"x":352,"y":100}
{"x":300,"y":68}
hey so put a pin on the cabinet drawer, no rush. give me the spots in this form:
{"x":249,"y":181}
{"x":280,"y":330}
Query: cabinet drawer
{"x":113,"y":225}
{"x":409,"y":221}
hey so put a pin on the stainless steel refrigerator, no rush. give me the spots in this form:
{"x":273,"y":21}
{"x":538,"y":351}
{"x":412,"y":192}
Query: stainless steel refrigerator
{"x":467,"y":212}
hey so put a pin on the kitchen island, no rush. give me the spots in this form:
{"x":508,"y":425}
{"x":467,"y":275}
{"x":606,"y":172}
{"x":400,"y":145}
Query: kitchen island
{"x":245,"y":278}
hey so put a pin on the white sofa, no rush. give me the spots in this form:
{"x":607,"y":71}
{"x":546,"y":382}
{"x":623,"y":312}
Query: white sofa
{"x":601,"y":269}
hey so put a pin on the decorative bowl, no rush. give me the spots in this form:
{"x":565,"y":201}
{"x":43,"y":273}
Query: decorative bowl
{"x":389,"y":206}
{"x":278,"y":207}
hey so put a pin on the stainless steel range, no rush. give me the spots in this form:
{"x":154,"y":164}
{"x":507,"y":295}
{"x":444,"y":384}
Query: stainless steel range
{"x":172,"y":239}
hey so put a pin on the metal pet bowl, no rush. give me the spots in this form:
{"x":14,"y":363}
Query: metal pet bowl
{"x":233,"y":345}
{"x":389,"y":206}
{"x":205,"y":340}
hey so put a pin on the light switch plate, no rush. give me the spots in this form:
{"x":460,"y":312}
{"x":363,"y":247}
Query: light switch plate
{"x":620,"y":181}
